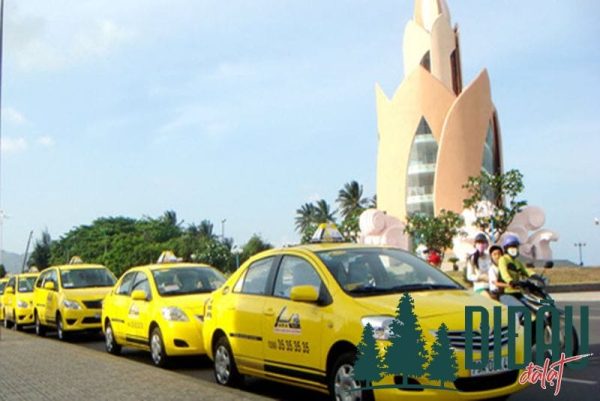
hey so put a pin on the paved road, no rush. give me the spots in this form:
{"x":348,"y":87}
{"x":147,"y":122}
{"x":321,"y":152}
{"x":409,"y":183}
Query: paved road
{"x":580,"y":385}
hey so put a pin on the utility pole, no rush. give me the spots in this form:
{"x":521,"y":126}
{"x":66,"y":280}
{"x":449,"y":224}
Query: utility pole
{"x":2,"y":215}
{"x":580,"y":245}
{"x":26,"y":252}
{"x":223,"y":229}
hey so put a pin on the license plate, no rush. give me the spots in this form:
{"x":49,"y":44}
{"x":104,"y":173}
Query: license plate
{"x":489,"y":369}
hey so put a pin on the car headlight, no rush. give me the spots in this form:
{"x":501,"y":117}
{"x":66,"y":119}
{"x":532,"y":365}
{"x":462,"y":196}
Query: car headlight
{"x":22,"y":304}
{"x":71,"y":304}
{"x":174,"y":314}
{"x":381,"y":326}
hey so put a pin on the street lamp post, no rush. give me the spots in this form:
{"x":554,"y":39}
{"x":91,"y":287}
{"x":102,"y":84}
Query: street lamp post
{"x":223,"y":229}
{"x":580,"y":245}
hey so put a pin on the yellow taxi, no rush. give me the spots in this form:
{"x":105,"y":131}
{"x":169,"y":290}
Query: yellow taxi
{"x":296,"y":315}
{"x":17,"y":301}
{"x":3,"y":282}
{"x":159,"y":308}
{"x":69,"y":298}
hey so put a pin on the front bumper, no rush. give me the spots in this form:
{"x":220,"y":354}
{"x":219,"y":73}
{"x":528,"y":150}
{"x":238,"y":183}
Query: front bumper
{"x":183,"y":338}
{"x":82,"y":319}
{"x":24,"y":315}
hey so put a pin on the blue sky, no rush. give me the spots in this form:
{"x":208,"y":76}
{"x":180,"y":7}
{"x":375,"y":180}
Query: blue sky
{"x":244,"y":110}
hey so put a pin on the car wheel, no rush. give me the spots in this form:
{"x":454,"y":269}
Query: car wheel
{"x":15,"y":325}
{"x":6,"y":322}
{"x":39,"y":329}
{"x":225,"y":369}
{"x":157,"y":348}
{"x":342,"y":386}
{"x":60,"y":329}
{"x":110,"y":342}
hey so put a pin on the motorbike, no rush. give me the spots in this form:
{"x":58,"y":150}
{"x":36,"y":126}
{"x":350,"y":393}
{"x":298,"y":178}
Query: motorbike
{"x":534,"y":296}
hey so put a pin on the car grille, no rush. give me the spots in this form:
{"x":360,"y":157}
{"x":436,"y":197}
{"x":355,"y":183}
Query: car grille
{"x":458,"y":339}
{"x":93,"y":304}
{"x":487,"y":382}
{"x":90,"y":320}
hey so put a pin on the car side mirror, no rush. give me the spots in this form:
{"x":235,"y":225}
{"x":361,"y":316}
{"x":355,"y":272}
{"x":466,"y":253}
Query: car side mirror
{"x":139,"y":295}
{"x":9,"y":290}
{"x":304,"y":293}
{"x":49,"y":285}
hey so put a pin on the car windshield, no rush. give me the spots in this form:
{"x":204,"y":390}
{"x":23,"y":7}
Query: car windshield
{"x":26,"y":284}
{"x":187,"y":280}
{"x":374,"y":271}
{"x":2,"y":285}
{"x":85,"y":278}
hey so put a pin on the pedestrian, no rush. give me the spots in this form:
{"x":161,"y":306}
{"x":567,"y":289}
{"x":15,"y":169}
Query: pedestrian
{"x":478,"y":265}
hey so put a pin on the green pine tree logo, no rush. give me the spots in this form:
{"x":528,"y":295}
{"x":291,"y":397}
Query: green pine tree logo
{"x":368,"y":366}
{"x":406,"y":355}
{"x":443,"y":366}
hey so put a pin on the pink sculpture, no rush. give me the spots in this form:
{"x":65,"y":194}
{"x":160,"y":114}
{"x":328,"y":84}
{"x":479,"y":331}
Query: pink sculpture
{"x":378,"y":228}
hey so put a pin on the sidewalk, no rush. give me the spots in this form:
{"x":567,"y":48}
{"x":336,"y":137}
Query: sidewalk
{"x":33,"y":369}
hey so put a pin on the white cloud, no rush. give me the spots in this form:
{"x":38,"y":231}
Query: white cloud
{"x":13,"y":145}
{"x":45,"y":141}
{"x":198,"y":119}
{"x":13,"y":116}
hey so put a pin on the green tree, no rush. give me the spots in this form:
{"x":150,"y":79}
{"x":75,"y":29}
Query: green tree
{"x":443,"y":365}
{"x":306,"y":221}
{"x":2,"y":271}
{"x":352,"y":204}
{"x":369,"y":365}
{"x":41,"y":254}
{"x":323,"y":212}
{"x":254,"y":245}
{"x":206,"y":229}
{"x":434,"y":232}
{"x":502,"y":191}
{"x":406,"y":355}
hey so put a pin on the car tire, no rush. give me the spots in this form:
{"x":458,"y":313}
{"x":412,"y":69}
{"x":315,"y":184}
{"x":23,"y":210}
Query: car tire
{"x":15,"y":325}
{"x":60,"y":329}
{"x":40,"y":330}
{"x":225,"y":369}
{"x":110,"y":341}
{"x":6,"y":322}
{"x":340,"y":379}
{"x":157,"y":348}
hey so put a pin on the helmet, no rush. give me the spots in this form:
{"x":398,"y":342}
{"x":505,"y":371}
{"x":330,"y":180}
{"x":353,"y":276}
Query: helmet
{"x":510,"y":240}
{"x":481,"y":237}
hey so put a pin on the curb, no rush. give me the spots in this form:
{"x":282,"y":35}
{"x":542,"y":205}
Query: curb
{"x":584,"y":287}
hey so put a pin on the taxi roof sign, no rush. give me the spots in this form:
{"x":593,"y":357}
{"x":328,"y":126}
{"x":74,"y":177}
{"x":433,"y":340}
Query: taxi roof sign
{"x":327,"y":232}
{"x":168,"y":257}
{"x":76,"y":260}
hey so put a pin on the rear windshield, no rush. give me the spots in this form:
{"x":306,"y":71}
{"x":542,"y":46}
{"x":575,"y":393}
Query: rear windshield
{"x":86,"y":278}
{"x":26,"y":284}
{"x":187,"y":280}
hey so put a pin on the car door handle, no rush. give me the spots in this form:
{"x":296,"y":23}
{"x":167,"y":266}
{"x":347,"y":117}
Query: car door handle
{"x":269,"y":312}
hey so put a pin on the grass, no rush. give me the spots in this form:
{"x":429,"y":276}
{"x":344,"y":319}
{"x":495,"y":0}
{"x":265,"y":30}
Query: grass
{"x":557,"y":275}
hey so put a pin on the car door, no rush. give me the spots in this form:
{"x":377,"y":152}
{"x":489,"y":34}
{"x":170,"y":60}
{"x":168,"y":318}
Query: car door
{"x":52,"y":301}
{"x":137,"y":319}
{"x":39,"y":296}
{"x":244,"y":314}
{"x":118,"y":304}
{"x":292,"y":329}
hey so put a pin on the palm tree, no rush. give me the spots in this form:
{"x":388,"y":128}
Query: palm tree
{"x":305,"y":217}
{"x":205,"y":229}
{"x":323,"y":212}
{"x":351,"y":201}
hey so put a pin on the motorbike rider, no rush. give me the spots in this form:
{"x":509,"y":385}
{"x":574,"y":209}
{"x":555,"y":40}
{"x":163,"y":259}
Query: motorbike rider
{"x":511,"y":269}
{"x":478,"y":265}
{"x":497,"y":286}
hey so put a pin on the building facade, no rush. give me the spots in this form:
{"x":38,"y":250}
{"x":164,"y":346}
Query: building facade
{"x":434,"y":133}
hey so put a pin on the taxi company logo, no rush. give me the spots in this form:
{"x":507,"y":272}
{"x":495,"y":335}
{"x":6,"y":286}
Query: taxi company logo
{"x":289,"y":325}
{"x":407,"y":358}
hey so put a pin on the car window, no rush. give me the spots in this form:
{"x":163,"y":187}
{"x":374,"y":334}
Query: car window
{"x":294,"y":271}
{"x":52,"y":278}
{"x":256,"y":277}
{"x":125,"y":287}
{"x":40,"y":281}
{"x":26,"y":284}
{"x":141,"y":283}
{"x":187,"y":280}
{"x":87,"y":278}
{"x":2,"y":285}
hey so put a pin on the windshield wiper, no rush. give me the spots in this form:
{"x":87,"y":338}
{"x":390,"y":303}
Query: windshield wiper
{"x":423,"y":287}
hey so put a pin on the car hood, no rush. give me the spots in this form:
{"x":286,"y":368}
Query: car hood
{"x":429,"y":305}
{"x":193,"y":303}
{"x":93,"y":293}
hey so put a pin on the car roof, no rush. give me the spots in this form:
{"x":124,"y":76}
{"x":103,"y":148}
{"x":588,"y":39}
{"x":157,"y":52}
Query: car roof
{"x":327,"y":246}
{"x":173,"y":265}
{"x":25,"y":275}
{"x":79,"y":266}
